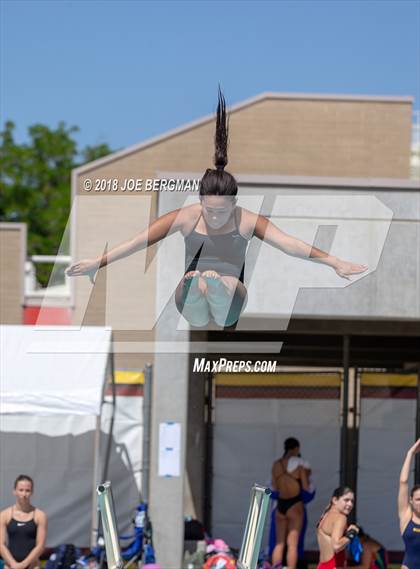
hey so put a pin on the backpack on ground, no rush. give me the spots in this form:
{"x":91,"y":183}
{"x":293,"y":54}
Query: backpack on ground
{"x":64,"y":557}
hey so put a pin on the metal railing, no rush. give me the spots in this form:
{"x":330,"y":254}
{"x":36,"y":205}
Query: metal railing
{"x":254,"y":528}
{"x":251,"y":542}
{"x":109,"y":525}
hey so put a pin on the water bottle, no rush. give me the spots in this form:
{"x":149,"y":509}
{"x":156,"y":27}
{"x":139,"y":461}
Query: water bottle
{"x":139,"y":519}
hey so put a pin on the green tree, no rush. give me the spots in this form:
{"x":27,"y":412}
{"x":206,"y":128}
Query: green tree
{"x":35,"y":183}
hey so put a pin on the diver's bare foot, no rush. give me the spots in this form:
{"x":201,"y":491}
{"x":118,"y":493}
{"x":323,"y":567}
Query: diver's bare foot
{"x":216,"y":288}
{"x":192,"y":290}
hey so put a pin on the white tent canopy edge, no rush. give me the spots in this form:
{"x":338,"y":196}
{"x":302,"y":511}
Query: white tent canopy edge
{"x":48,"y":371}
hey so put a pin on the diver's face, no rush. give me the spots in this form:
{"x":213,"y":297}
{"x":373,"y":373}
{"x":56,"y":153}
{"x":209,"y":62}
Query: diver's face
{"x":345,"y":503}
{"x":23,"y":491}
{"x":217,"y":210}
{"x":415,"y":502}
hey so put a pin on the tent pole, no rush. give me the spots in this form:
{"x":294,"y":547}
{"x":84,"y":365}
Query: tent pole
{"x":344,"y":446}
{"x":95,"y":517}
{"x":147,"y":405}
{"x":111,"y":424}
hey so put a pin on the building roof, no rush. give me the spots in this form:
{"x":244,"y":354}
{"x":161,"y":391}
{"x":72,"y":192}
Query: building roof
{"x":235,"y":108}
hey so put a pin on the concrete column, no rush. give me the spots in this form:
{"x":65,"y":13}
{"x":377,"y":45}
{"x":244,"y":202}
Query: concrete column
{"x":170,"y":393}
{"x":169,"y":403}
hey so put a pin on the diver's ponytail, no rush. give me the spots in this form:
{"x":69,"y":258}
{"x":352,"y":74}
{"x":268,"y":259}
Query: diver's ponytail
{"x":218,"y":182}
{"x":221,"y":136}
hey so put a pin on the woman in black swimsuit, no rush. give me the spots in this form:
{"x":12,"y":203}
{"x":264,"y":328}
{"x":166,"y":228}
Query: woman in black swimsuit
{"x":289,"y":516}
{"x":213,"y":284}
{"x":216,"y":233}
{"x":23,"y":529}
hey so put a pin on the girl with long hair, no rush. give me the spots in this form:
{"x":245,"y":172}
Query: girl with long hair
{"x":333,"y":531}
{"x":23,"y":529}
{"x":216,"y":233}
{"x":289,"y":477}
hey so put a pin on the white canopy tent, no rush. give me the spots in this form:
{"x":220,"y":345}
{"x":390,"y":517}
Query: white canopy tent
{"x":52,"y":389}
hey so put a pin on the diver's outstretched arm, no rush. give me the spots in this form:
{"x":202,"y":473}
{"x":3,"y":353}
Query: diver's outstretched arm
{"x":265,"y":230}
{"x":159,"y":229}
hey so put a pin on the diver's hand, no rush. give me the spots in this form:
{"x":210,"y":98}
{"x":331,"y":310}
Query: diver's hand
{"x":344,"y":269}
{"x":415,"y":448}
{"x":17,"y":565}
{"x":352,"y":531}
{"x":87,"y":267}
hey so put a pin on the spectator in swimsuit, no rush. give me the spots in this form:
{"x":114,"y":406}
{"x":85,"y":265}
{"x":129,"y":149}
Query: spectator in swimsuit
{"x":409,"y":513}
{"x":290,"y":513}
{"x":374,"y":554}
{"x":333,"y":534}
{"x":216,"y":233}
{"x":23,"y":529}
{"x":307,"y":497}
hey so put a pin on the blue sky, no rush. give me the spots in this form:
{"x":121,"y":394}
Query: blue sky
{"x":124,"y":71}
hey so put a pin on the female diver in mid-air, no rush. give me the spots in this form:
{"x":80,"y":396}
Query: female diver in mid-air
{"x":216,"y":233}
